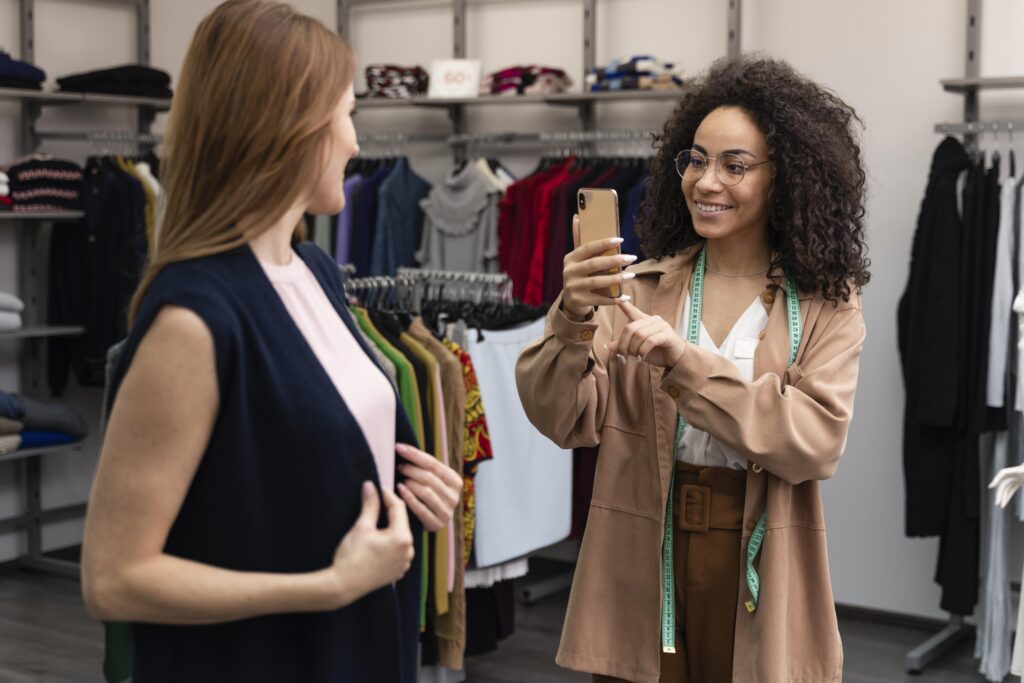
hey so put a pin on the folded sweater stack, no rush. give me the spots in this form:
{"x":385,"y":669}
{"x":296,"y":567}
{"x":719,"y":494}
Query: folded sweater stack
{"x":526,"y":80}
{"x":40,"y":182}
{"x":10,"y":312}
{"x":640,"y":72}
{"x":27,"y":423}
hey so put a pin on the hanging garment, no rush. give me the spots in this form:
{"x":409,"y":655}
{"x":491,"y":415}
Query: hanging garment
{"x":485,"y":578}
{"x":460,"y":223}
{"x":476,"y":448}
{"x":343,"y":226}
{"x":982,"y":233}
{"x":523,"y":495}
{"x":444,"y":554}
{"x":95,"y":267}
{"x":399,"y":220}
{"x":930,"y":428}
{"x":365,"y":219}
{"x":450,"y":628}
{"x":278,"y":518}
{"x":995,"y":611}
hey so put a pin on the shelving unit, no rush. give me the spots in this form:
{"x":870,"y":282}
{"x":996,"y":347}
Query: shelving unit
{"x":584,"y":102}
{"x":33,"y":263}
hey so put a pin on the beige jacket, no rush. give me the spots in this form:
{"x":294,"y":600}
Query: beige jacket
{"x":790,"y":423}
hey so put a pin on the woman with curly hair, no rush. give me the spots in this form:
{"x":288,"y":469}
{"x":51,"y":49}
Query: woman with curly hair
{"x":720,"y":388}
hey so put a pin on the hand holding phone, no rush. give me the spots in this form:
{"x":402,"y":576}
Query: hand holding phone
{"x":592,"y":272}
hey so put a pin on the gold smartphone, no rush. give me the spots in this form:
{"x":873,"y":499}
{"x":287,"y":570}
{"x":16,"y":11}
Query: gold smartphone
{"x":599,"y":220}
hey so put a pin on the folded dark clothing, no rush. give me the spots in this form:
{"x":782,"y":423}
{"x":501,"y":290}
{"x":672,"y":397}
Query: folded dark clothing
{"x":122,"y":89}
{"x":53,"y":417}
{"x":11,"y":407}
{"x":31,"y":439}
{"x":22,"y":71}
{"x":12,"y":82}
{"x":46,"y":185}
{"x":9,"y":426}
{"x":129,"y":74}
{"x":34,"y":170}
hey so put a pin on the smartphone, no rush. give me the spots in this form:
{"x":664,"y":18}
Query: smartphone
{"x":599,"y":220}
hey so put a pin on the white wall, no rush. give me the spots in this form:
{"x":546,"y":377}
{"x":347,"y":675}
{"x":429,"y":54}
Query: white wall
{"x":884,"y":58}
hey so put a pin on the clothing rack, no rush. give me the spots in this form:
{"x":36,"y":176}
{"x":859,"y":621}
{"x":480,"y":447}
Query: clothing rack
{"x":408,"y":288}
{"x":103,"y":138}
{"x":399,"y":138}
{"x":956,"y":629}
{"x":979,"y":127}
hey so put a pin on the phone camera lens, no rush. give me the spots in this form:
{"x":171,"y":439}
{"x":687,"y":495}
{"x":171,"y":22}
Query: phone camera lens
{"x":583,"y":202}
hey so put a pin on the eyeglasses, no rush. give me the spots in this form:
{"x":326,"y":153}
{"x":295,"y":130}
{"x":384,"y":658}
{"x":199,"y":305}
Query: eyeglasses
{"x":730,"y":168}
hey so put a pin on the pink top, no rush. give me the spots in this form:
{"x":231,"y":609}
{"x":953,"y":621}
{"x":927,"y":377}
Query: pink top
{"x":364,"y":388}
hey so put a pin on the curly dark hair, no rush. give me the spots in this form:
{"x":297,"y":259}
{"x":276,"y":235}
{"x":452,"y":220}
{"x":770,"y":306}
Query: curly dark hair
{"x":816,"y":228}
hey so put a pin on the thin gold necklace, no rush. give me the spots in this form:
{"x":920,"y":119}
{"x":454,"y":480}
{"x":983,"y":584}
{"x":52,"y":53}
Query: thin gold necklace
{"x":710,"y":269}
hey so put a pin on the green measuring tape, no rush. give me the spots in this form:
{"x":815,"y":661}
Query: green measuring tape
{"x":668,"y":592}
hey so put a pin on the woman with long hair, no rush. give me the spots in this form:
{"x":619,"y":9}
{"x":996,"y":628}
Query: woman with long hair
{"x":242,"y":517}
{"x":719,"y":387}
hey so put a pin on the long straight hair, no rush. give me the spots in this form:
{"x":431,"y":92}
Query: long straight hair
{"x":245,"y":137}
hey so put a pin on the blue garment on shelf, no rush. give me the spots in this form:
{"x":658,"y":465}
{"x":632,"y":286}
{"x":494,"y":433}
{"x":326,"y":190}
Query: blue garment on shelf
{"x":11,"y":68}
{"x":36,"y":439}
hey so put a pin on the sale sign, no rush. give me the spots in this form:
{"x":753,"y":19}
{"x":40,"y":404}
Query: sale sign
{"x":454,"y":78}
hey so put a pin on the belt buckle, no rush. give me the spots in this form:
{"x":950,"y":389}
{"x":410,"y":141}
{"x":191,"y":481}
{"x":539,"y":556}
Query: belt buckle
{"x":702,"y":496}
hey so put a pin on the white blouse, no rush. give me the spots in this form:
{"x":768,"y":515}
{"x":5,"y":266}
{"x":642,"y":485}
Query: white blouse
{"x":700,"y":448}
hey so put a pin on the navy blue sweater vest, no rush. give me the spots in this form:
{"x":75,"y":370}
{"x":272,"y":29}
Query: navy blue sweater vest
{"x":276,"y":491}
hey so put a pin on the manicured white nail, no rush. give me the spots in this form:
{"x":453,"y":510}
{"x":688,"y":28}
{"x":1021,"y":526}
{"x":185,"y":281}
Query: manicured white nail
{"x":616,"y":240}
{"x":625,"y":297}
{"x":622,"y":359}
{"x":628,"y":276}
{"x":628,"y":258}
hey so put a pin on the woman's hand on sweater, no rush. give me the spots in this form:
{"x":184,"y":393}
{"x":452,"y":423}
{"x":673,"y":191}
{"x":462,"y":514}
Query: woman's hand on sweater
{"x":585,"y":277}
{"x":431,"y":489}
{"x":648,"y":338}
{"x":369,"y":558}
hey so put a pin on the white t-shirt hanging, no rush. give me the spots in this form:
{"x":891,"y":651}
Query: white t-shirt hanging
{"x":698,"y":447}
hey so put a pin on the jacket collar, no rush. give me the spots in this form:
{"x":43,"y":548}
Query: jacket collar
{"x":682,"y":261}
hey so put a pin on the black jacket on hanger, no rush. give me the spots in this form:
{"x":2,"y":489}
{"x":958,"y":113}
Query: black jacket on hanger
{"x":930,"y":349}
{"x":940,"y":456}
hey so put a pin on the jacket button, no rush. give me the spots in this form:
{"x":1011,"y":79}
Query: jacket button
{"x":673,"y":391}
{"x":761,"y":336}
{"x":587,"y":335}
{"x":750,"y":525}
{"x":768,"y":297}
{"x":757,"y":468}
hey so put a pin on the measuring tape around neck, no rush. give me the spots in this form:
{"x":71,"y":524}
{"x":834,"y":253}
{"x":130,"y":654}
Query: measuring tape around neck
{"x":668,"y":592}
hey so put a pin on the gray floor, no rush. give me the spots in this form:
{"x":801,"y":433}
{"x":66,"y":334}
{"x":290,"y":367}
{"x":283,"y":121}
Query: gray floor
{"x":46,"y":636}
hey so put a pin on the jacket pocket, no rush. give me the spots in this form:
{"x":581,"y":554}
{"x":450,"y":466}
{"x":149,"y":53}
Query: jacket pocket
{"x":629,"y":386}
